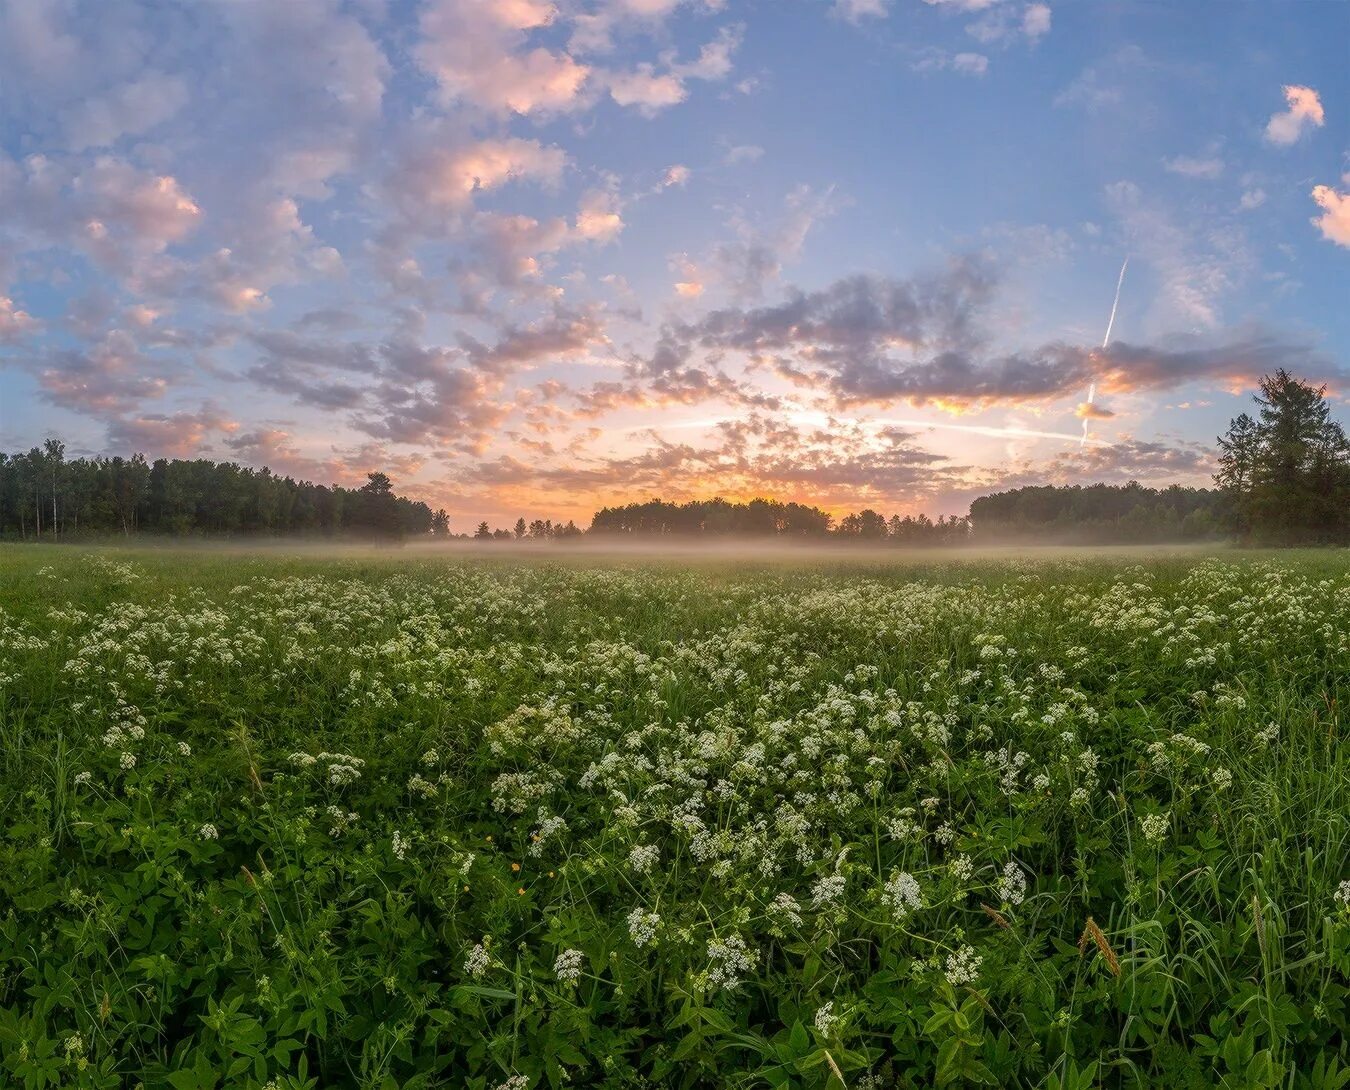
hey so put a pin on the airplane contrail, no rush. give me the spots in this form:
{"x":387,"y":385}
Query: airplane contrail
{"x":1110,"y":324}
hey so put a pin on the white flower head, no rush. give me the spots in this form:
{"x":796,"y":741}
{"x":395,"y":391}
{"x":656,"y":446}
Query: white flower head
{"x":1012,"y":886}
{"x":902,"y":895}
{"x":962,"y":967}
{"x":478,"y":961}
{"x":567,"y":966}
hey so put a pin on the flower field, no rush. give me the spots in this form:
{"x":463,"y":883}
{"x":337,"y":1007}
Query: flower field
{"x":277,"y":822}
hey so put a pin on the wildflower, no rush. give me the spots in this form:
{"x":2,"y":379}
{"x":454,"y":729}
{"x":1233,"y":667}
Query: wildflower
{"x":825,"y":1019}
{"x":84,"y":779}
{"x":515,"y":1082}
{"x":901,"y":895}
{"x":643,"y":857}
{"x":1154,"y":827}
{"x":731,"y":959}
{"x":1012,"y":887}
{"x":184,"y":749}
{"x":828,"y":890}
{"x":127,"y":761}
{"x":784,"y":909}
{"x":962,"y":967}
{"x":208,"y":832}
{"x":1342,"y":894}
{"x":962,"y":868}
{"x":399,"y":846}
{"x":1221,"y":778}
{"x":567,"y":966}
{"x":642,"y":926}
{"x":477,"y":962}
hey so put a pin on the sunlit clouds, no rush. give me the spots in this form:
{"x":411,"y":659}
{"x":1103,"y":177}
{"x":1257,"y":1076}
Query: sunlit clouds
{"x":535,"y":256}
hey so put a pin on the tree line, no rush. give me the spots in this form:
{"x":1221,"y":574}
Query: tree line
{"x":44,"y":495}
{"x":1283,"y":478}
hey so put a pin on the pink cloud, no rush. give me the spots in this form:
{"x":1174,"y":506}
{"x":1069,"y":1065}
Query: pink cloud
{"x":1304,"y":113}
{"x":476,"y":50}
{"x":1334,"y":222}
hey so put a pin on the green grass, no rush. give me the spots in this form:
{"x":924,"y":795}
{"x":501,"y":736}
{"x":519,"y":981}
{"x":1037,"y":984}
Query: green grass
{"x":349,"y":819}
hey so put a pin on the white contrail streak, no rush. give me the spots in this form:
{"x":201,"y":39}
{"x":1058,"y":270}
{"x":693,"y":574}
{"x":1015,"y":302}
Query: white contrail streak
{"x":1110,"y":324}
{"x":1120,"y":282}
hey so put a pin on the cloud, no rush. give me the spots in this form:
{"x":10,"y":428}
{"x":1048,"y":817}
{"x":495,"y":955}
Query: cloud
{"x":925,"y":341}
{"x":742,"y":153}
{"x":933,"y":59}
{"x":855,"y":11}
{"x":962,"y":5}
{"x":1036,"y":21}
{"x":109,"y":377}
{"x":477,"y":51}
{"x":1304,"y":113}
{"x":175,"y":435}
{"x":1193,"y":167}
{"x":675,"y":175}
{"x":431,"y":175}
{"x":652,"y":90}
{"x":1197,"y":266}
{"x":14,"y":323}
{"x":1334,"y":222}
{"x":646,"y":89}
{"x":131,"y":109}
{"x":1252,"y":198}
{"x":598,"y":219}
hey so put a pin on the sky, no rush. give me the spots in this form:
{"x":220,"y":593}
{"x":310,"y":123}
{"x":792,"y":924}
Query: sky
{"x":531,"y":257}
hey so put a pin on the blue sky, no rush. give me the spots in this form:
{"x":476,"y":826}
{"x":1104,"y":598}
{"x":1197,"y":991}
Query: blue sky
{"x":531,"y":256}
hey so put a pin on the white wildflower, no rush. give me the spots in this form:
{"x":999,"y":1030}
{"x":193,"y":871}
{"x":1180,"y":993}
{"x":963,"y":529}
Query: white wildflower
{"x":962,"y":967}
{"x":825,"y":1019}
{"x":731,"y":959}
{"x":567,"y":966}
{"x":1012,"y":887}
{"x":902,"y":895}
{"x":642,"y":926}
{"x":478,"y":961}
{"x":643,"y":857}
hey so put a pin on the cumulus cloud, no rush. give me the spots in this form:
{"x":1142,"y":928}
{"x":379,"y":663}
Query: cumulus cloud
{"x":651,"y":89}
{"x":1304,"y":113}
{"x":431,"y":175}
{"x":598,"y":219}
{"x":646,"y":89}
{"x":1036,"y":21}
{"x":478,"y":52}
{"x":1334,"y":222}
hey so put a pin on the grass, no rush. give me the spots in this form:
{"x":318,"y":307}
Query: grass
{"x":279,"y":818}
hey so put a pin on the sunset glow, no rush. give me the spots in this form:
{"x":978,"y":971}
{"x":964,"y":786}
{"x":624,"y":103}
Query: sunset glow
{"x":531,"y":257}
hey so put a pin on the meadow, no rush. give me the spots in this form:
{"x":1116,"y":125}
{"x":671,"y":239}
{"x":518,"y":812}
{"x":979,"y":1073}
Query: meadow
{"x":1062,"y":820}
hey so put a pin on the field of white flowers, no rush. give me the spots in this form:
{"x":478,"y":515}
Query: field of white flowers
{"x":271,"y":822}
